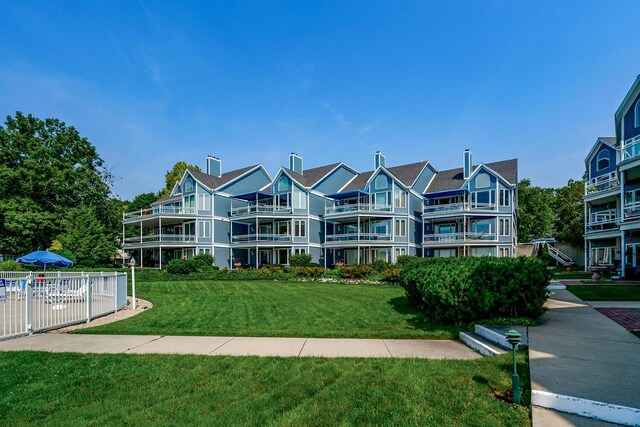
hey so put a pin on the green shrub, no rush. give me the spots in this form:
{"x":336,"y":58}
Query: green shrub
{"x":300,"y":260}
{"x":308,"y":271}
{"x":181,"y":266}
{"x":379,"y":266}
{"x":391,"y":275}
{"x":203,"y":261}
{"x":314,"y":264}
{"x":405,"y":259}
{"x":65,"y":253}
{"x":462,"y":290}
{"x":10,"y":265}
{"x":355,"y":271}
{"x":331,"y":273}
{"x":89,"y":263}
{"x":273,"y":267}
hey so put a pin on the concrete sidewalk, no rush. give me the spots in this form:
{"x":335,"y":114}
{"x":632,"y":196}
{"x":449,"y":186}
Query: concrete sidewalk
{"x":242,"y":346}
{"x":580,"y":353}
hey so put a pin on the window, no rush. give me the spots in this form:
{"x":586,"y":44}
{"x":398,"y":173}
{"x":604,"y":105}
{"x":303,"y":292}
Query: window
{"x":189,"y":204}
{"x":504,"y":227}
{"x":637,"y":113}
{"x":283,"y":183}
{"x":204,"y":250}
{"x":204,"y":202}
{"x":380,"y":200}
{"x":401,"y":199}
{"x":300,"y":251}
{"x":189,"y":185}
{"x":504,"y":198}
{"x":483,"y":180}
{"x":299,"y":198}
{"x":204,"y":229}
{"x":444,"y":253}
{"x":299,"y":228}
{"x":401,"y":227}
{"x":481,"y":252}
{"x":603,"y":159}
{"x":400,"y":252}
{"x":483,"y":199}
{"x":504,"y":252}
{"x":381,"y":182}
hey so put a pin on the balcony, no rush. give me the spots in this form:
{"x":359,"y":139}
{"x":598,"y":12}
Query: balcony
{"x":159,"y":210}
{"x":598,"y":187}
{"x":357,"y":237}
{"x":161,"y":238}
{"x":357,"y":208}
{"x":261,"y":209}
{"x":458,"y":207}
{"x":607,"y":224}
{"x":631,"y":212}
{"x":631,"y":148}
{"x":458,"y":238}
{"x":261,"y":238}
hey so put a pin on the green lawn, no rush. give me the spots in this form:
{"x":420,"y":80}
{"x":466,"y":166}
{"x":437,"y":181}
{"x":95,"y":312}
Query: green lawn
{"x":281,"y":309}
{"x":81,"y":389}
{"x":606,"y":292}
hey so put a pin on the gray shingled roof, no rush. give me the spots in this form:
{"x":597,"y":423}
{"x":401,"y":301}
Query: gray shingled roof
{"x":611,"y":140}
{"x":310,"y":177}
{"x":406,"y":174}
{"x":213,"y":182}
{"x":452,"y":179}
{"x":167,"y":200}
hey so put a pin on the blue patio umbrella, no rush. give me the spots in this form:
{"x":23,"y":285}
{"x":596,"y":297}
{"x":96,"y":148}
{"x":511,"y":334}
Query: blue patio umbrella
{"x":45,"y":258}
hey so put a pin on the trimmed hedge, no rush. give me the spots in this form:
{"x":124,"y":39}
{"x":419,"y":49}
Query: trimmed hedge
{"x":466,"y":289}
{"x":355,"y":271}
{"x":300,"y":260}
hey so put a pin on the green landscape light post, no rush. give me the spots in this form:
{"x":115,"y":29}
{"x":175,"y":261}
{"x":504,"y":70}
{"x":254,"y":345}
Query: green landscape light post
{"x":514,"y":338}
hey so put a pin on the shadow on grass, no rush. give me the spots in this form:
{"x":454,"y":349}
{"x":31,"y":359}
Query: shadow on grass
{"x":418,"y":319}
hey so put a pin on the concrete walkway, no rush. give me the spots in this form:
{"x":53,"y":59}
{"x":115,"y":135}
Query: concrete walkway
{"x":242,"y":346}
{"x":580,"y":353}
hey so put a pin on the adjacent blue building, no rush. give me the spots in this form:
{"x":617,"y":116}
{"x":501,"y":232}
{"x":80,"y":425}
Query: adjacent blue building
{"x":333,"y":212}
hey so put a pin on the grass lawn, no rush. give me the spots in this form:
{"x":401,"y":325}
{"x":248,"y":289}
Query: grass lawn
{"x":606,"y":292}
{"x":80,"y":389}
{"x":280,"y":309}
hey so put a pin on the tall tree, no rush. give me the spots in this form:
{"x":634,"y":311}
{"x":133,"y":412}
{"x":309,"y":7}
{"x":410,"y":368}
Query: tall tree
{"x":174,"y":175}
{"x":46,"y":169}
{"x":141,"y":201}
{"x":535,"y":211}
{"x":86,"y":237}
{"x":569,"y":211}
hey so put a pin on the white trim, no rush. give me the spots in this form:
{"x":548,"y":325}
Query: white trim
{"x":349,"y":182}
{"x":603,"y":411}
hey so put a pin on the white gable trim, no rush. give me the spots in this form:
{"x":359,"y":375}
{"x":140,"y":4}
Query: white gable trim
{"x":253,"y":169}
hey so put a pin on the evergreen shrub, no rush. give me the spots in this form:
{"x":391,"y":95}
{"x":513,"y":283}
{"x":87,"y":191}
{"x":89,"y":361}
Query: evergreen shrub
{"x":466,"y":289}
{"x":300,"y":260}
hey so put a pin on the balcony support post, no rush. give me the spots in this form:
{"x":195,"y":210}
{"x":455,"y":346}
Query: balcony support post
{"x":622,"y":253}
{"x":622,"y":210}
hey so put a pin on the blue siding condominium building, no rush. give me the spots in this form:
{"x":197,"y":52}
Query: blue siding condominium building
{"x":332,"y":212}
{"x":612,"y":193}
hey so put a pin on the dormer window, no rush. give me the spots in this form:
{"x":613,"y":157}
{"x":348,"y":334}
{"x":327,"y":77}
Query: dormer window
{"x":637,"y":113}
{"x":603,"y":160}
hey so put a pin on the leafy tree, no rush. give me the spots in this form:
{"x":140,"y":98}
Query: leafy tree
{"x":174,"y":176}
{"x":46,"y":169}
{"x":86,"y":237}
{"x":535,"y":211}
{"x":141,"y":201}
{"x":569,"y":211}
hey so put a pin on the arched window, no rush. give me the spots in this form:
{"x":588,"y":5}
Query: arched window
{"x":283,"y":183}
{"x":638,"y":113}
{"x":603,"y":160}
{"x":483,"y":180}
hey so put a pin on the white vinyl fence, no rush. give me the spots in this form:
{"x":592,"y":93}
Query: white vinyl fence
{"x":36,"y":302}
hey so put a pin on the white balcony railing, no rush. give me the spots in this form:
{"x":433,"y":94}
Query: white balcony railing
{"x":261,"y":209}
{"x":458,"y":237}
{"x":458,"y":207}
{"x":261,"y":237}
{"x":357,"y":207}
{"x":597,"y":186}
{"x":161,"y":238}
{"x":354,"y":237}
{"x":170,"y":210}
{"x":602,"y":225}
{"x":631,"y":212}
{"x":631,"y":148}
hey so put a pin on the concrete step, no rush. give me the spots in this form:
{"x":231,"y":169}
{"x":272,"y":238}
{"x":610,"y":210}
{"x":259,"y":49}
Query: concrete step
{"x":480,"y":344}
{"x":497,"y":335}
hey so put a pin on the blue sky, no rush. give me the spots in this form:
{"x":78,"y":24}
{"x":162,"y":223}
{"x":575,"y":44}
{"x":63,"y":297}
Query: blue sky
{"x":152,"y":83}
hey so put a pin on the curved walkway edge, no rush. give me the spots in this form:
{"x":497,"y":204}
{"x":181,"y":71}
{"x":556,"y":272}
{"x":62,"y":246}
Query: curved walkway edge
{"x":242,"y":346}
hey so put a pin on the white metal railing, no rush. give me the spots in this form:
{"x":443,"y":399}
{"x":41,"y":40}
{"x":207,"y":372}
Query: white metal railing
{"x":462,"y":206}
{"x":357,"y":237}
{"x":597,"y":185}
{"x":609,"y":223}
{"x":157,"y":210}
{"x":631,"y":211}
{"x":261,"y":237}
{"x":265,"y":209}
{"x":458,"y":237}
{"x":631,"y":148}
{"x":161,"y":238}
{"x":357,"y":207}
{"x":36,"y":302}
